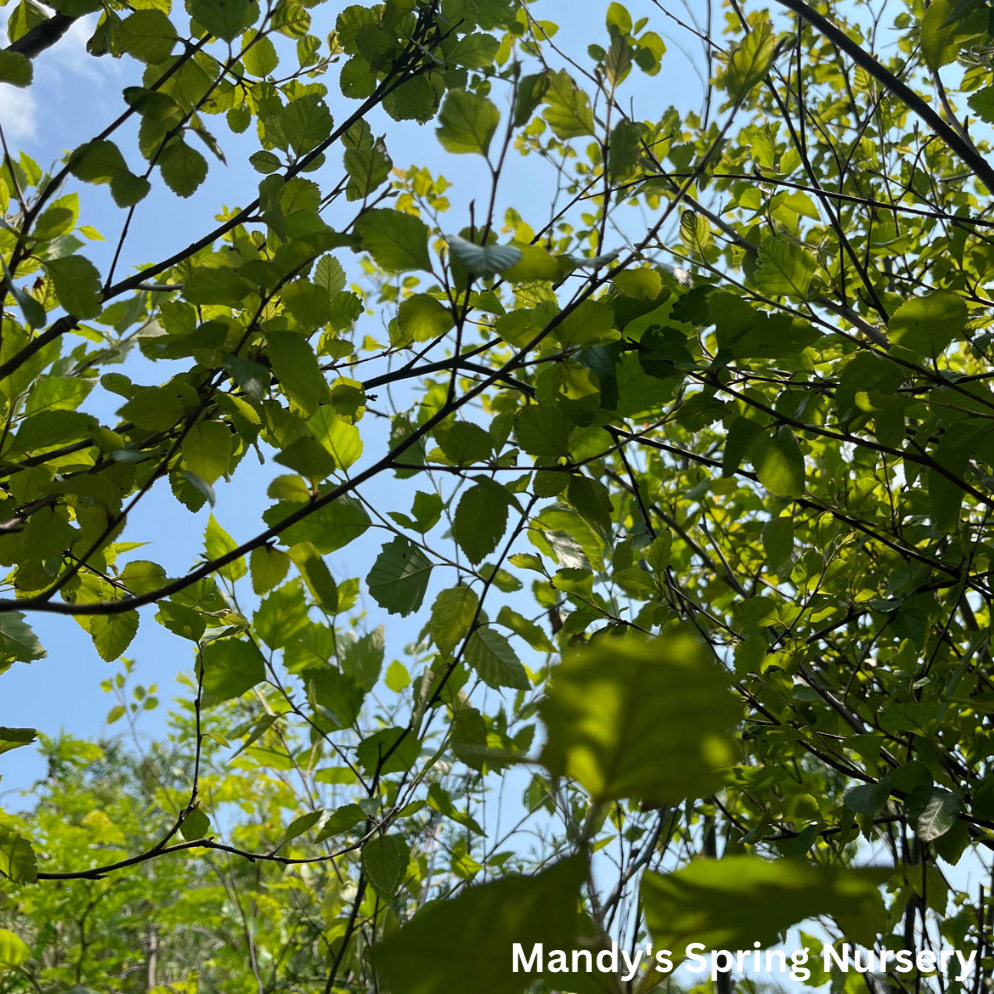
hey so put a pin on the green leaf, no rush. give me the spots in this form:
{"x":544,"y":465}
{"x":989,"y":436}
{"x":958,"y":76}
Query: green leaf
{"x":363,"y":658}
{"x":397,"y":677}
{"x":942,"y":33}
{"x":309,"y":458}
{"x":399,"y":577}
{"x":384,"y":862}
{"x":592,"y":501}
{"x":330,"y":528}
{"x":17,"y":863}
{"x":113,"y":633}
{"x":181,"y":620}
{"x":646,"y":720}
{"x":868,"y":798}
{"x":97,"y":162}
{"x":299,"y":826}
{"x":77,"y":285}
{"x":338,"y":437}
{"x":261,"y":58}
{"x":933,"y":811}
{"x":291,"y":19}
{"x":265,"y":162}
{"x":618,"y":62}
{"x":927,"y":325}
{"x":779,"y":463}
{"x":195,"y":825}
{"x":483,"y":260}
{"x":206,"y":450}
{"x":217,"y":543}
{"x":268,"y":567}
{"x":619,"y":21}
{"x":778,"y":541}
{"x":282,"y":615}
{"x":440,"y":799}
{"x":624,"y":150}
{"x":341,"y":821}
{"x":126,"y":189}
{"x":526,"y":629}
{"x":982,"y":103}
{"x":33,"y":311}
{"x":467,"y":123}
{"x":296,"y":367}
{"x":427,"y":510}
{"x":225,"y":19}
{"x":474,"y":51}
{"x":147,"y":35}
{"x":306,"y":123}
{"x":750,"y":61}
{"x":142,"y":576}
{"x":451,"y":615}
{"x":416,"y":99}
{"x":15,"y":68}
{"x":421,"y":318}
{"x":216,"y":285}
{"x":392,"y":750}
{"x":748,"y":333}
{"x":496,"y":663}
{"x":18,"y":643}
{"x":472,"y":935}
{"x":316,"y":575}
{"x":14,"y":738}
{"x":784,"y":270}
{"x":481,"y":519}
{"x":464,"y":443}
{"x":231,"y":667}
{"x":338,"y":695}
{"x":329,"y":275}
{"x":731,"y":903}
{"x":531,"y":90}
{"x":542,"y":431}
{"x":568,"y":111}
{"x":13,"y":950}
{"x":183,"y":168}
{"x":397,"y":242}
{"x":536,"y":264}
{"x":367,"y":163}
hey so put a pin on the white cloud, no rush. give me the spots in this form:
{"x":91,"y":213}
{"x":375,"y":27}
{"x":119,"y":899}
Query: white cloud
{"x":18,"y":113}
{"x":71,"y":54}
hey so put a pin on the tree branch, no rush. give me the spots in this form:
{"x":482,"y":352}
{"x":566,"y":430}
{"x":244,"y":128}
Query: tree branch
{"x":42,"y":36}
{"x":964,"y":149}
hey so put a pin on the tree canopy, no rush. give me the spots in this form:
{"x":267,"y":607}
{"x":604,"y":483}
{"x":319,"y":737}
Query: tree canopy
{"x":625,"y":574}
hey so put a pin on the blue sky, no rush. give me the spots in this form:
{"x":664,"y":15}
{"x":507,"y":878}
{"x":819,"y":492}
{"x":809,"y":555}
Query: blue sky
{"x":73,"y":97}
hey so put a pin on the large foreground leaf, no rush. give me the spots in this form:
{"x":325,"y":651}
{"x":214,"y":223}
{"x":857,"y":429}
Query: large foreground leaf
{"x":451,"y":944}
{"x":639,"y":719}
{"x":732,"y":903}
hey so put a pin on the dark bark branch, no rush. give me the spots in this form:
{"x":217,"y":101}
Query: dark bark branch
{"x":97,"y":872}
{"x":965,"y":149}
{"x":42,"y":36}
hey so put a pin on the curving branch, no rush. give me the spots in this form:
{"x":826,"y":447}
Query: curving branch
{"x":42,"y":36}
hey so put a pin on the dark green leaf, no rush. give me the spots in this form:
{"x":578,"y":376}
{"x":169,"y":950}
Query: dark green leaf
{"x":467,"y":122}
{"x":496,"y":663}
{"x":398,"y":242}
{"x":472,"y":934}
{"x":399,"y":577}
{"x":481,"y":519}
{"x":231,"y":667}
{"x":384,"y":862}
